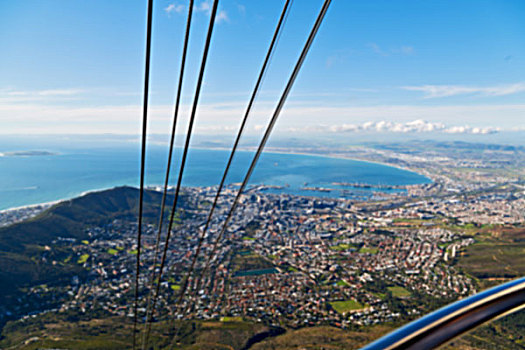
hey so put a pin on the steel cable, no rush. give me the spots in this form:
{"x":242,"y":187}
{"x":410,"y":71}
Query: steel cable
{"x":266,"y":135}
{"x":265,"y":138}
{"x":142,"y":164}
{"x":260,"y":78}
{"x":168,"y":167}
{"x":186,"y":147}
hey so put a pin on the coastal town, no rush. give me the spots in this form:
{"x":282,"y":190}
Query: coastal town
{"x":262,"y":175}
{"x":348,"y":255}
{"x":285,"y":259}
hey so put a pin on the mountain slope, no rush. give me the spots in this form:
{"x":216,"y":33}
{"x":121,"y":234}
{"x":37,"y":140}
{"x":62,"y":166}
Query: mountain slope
{"x":22,"y":244}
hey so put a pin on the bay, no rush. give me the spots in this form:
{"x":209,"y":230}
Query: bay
{"x":26,"y":180}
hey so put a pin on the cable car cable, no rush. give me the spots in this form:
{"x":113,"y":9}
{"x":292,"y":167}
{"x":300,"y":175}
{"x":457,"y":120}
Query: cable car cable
{"x":267,"y":133}
{"x":262,"y":73}
{"x":186,"y":147}
{"x":142,"y":164}
{"x":168,"y":167}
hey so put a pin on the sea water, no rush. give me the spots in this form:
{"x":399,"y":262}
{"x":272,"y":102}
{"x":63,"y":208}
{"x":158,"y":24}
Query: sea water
{"x":26,"y":180}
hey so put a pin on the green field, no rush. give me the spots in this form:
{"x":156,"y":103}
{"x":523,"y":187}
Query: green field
{"x":83,"y":258}
{"x":379,"y":295}
{"x":347,"y":305}
{"x":342,"y":247}
{"x":399,"y":292}
{"x":231,"y":319}
{"x":112,"y":251}
{"x":368,"y":250}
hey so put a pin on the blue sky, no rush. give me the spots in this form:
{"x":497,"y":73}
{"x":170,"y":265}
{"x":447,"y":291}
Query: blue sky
{"x":77,"y":66}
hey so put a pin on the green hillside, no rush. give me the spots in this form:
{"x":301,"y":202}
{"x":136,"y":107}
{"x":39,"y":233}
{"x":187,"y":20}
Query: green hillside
{"x":22,"y":244}
{"x":58,"y":331}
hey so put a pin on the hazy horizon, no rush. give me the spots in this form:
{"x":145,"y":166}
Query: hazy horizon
{"x":78,"y":68}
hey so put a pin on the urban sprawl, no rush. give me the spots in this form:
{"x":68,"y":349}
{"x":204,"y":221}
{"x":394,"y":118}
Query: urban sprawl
{"x":286,"y":260}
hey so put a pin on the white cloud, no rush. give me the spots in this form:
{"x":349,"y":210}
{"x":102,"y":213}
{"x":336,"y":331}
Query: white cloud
{"x":377,"y":49}
{"x":416,"y":126}
{"x":389,"y":126}
{"x":13,"y":96}
{"x":222,"y":16}
{"x":59,"y":92}
{"x":39,"y":114}
{"x":437,"y":91}
{"x":174,"y":8}
{"x":335,"y":59}
{"x":406,"y":50}
{"x":203,"y":6}
{"x":16,"y":93}
{"x":35,"y":93}
{"x":123,"y":119}
{"x":471,"y":130}
{"x":217,"y":128}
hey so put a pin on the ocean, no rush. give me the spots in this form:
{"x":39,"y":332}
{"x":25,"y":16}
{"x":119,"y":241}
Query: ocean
{"x":26,"y":180}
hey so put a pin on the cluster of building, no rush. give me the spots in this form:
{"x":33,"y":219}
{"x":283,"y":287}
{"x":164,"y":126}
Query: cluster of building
{"x":283,"y":260}
{"x":12,"y":216}
{"x":295,"y":260}
{"x":503,"y":208}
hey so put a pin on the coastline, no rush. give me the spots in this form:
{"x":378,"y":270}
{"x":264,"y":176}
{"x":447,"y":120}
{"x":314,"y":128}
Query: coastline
{"x":30,"y":206}
{"x":331,"y":156}
{"x":356,"y":159}
{"x":57,"y":201}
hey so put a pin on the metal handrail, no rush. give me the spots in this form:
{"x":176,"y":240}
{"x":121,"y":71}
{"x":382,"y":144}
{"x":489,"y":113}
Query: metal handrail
{"x":441,"y":326}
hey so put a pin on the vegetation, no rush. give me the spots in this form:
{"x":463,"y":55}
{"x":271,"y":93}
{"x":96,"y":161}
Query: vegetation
{"x":342,"y":247}
{"x":83,"y":258}
{"x":346,"y":306}
{"x":498,"y":254}
{"x":22,"y":261}
{"x":231,"y":319}
{"x":70,"y":331}
{"x":368,"y":250}
{"x":323,"y":337}
{"x":399,"y":292}
{"x":112,"y":251}
{"x":342,"y":283}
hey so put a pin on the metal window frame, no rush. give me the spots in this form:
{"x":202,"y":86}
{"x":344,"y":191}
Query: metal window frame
{"x":441,"y":326}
